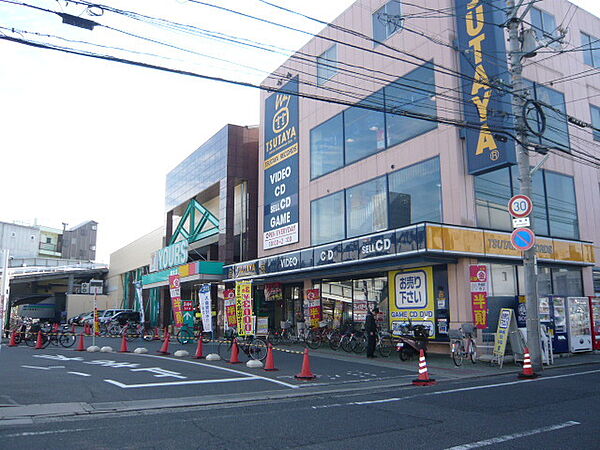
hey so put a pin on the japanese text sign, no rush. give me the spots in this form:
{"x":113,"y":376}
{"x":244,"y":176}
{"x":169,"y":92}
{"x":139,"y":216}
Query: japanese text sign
{"x":243,"y":298}
{"x":478,"y":277}
{"x":412,"y":299}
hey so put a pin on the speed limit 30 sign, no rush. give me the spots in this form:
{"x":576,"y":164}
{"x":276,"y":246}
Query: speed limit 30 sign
{"x":520,"y":206}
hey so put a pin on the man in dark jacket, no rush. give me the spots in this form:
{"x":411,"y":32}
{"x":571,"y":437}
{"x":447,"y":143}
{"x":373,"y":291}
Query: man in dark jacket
{"x":371,"y":330}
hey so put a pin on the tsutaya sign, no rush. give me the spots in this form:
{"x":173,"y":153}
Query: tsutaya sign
{"x":281,"y":167}
{"x":485,"y":84}
{"x":174,"y":255}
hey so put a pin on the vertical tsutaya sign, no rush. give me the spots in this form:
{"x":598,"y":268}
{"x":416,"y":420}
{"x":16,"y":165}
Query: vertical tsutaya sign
{"x":281,"y":167}
{"x":175,"y":290}
{"x":485,"y":76}
{"x":478,"y":275}
{"x":243,"y":299}
{"x":205,"y":307}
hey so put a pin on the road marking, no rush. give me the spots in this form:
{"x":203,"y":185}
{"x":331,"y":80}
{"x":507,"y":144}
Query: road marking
{"x":39,"y":433}
{"x":180,"y":383}
{"x":510,"y":437}
{"x":80,"y":373}
{"x":43,"y":368}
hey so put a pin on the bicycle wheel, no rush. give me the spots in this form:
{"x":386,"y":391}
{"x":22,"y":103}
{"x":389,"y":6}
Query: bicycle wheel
{"x":185,"y":335}
{"x":457,"y":353}
{"x":313,"y":339}
{"x":385,"y":346}
{"x":257,"y":349}
{"x":46,"y":340}
{"x":405,"y":352}
{"x":360,"y":344}
{"x":334,"y":340}
{"x":224,"y":350}
{"x":149,"y":334}
{"x":66,"y":339}
{"x":131,"y":333}
{"x":347,"y":343}
{"x":30,"y":337}
{"x":473,"y":352}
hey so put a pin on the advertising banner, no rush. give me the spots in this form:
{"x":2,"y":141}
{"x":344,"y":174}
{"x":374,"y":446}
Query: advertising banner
{"x":360,"y":310}
{"x":205,"y":307}
{"x":243,"y":299}
{"x":281,"y":167}
{"x":483,"y":63}
{"x":262,"y":326}
{"x":337,"y":314}
{"x":273,"y":292}
{"x":175,"y":291}
{"x":313,"y":298}
{"x":412,"y":299}
{"x":229,"y":303}
{"x":478,"y":276}
{"x":139,"y":300}
{"x":504,"y":321}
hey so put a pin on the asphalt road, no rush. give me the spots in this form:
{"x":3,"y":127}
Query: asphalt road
{"x":559,"y":410}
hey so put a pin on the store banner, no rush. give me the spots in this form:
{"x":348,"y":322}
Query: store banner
{"x":273,"y":292}
{"x":140,"y":299}
{"x":313,"y":299}
{"x":412,"y":299}
{"x":175,"y":291}
{"x":205,"y":307}
{"x":338,"y":309}
{"x":504,"y":323}
{"x":243,"y":299}
{"x":478,"y":278}
{"x":359,"y":310}
{"x":281,"y":167}
{"x":262,"y":326}
{"x":229,"y":304}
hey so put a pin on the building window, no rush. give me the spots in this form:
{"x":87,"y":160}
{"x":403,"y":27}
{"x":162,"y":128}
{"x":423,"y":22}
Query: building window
{"x":556,"y":134}
{"x":543,"y":23}
{"x":364,"y":129}
{"x":386,"y":21}
{"x":325,"y":219}
{"x":366,"y":208}
{"x":415,"y":194}
{"x":595,"y":112}
{"x":567,"y":281}
{"x":48,"y":240}
{"x":414,"y":92}
{"x":327,"y":147}
{"x":591,"y":50}
{"x":492,"y":193}
{"x":327,"y":65}
{"x":562,"y":206}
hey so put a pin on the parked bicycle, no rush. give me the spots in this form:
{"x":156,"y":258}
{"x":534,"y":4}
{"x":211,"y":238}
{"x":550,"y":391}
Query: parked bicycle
{"x":287,"y":334}
{"x":462,"y":343}
{"x":253,"y":347}
{"x":135,"y":330}
{"x":316,"y":337}
{"x":384,"y":344}
{"x":192,"y":334}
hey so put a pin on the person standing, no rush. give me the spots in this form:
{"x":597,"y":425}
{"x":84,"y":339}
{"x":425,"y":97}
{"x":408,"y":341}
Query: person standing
{"x":371,"y":330}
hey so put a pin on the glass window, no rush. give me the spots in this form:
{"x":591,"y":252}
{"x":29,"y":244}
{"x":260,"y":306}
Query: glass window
{"x":544,"y":25}
{"x":327,"y":147}
{"x":327,"y":65}
{"x":364,"y":129}
{"x":387,"y":20}
{"x":540,"y":208}
{"x":591,"y":50}
{"x":562,"y":206}
{"x":366,"y":208}
{"x":595,"y":111}
{"x":325,"y":219}
{"x":371,"y":293}
{"x":414,"y":92}
{"x":415,"y":194}
{"x":557,"y":129}
{"x":567,"y":281}
{"x":492,"y":193}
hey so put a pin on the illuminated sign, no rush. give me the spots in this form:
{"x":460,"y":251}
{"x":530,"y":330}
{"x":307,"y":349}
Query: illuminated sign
{"x":171,"y":256}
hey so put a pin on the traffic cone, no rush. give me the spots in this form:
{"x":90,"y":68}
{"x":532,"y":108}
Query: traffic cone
{"x":81,"y":346}
{"x":124,"y":348}
{"x":270,"y":362}
{"x":423,"y":379}
{"x":40,"y":341}
{"x":86,"y":328}
{"x":235,"y":353}
{"x":528,"y":372}
{"x":305,"y":373}
{"x":165,"y":347}
{"x":13,"y":339}
{"x":199,"y":349}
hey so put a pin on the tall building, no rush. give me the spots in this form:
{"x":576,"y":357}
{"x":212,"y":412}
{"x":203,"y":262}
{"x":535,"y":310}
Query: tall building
{"x":389,"y":189}
{"x":79,"y":242}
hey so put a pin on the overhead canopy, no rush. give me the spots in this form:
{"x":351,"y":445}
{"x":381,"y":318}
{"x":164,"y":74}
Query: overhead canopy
{"x":30,"y":299}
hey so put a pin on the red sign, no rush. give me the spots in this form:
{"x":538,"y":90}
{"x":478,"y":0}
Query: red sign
{"x":230,"y":313}
{"x":188,"y":305}
{"x":520,"y":206}
{"x":478,"y":277}
{"x":175,"y":290}
{"x":313,"y":297}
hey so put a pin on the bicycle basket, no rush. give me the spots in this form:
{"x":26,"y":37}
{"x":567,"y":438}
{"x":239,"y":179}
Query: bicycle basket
{"x":285,"y":324}
{"x":455,"y":334}
{"x":469,"y":329}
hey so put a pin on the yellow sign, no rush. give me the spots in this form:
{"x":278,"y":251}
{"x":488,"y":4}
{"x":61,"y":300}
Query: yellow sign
{"x":412,"y":299}
{"x":243,"y":299}
{"x":504,"y":322}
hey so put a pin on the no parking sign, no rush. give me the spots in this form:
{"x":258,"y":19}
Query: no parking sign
{"x":522,"y":239}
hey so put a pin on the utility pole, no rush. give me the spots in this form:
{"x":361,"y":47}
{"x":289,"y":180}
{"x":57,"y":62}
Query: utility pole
{"x":529,"y":256}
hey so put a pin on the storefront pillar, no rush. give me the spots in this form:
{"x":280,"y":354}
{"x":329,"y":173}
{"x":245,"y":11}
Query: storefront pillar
{"x":460,"y":298}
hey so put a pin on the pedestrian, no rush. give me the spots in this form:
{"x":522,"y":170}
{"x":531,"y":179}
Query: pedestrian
{"x":371,"y":330}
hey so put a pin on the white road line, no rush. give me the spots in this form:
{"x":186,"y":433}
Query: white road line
{"x":179,"y":383}
{"x":43,"y":368}
{"x":510,"y":437}
{"x":39,"y":433}
{"x":80,"y":373}
{"x":239,"y":372}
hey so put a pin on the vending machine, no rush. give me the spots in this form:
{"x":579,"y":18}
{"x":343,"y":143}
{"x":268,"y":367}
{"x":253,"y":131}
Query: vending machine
{"x":579,"y":324}
{"x":560,"y":340}
{"x":595,"y":322}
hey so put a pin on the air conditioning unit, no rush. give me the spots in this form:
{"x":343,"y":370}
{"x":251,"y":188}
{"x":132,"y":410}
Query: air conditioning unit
{"x":85,"y":288}
{"x":96,"y":286}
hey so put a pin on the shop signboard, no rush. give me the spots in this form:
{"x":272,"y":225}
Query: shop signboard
{"x":187,"y":305}
{"x":313,"y":299}
{"x":478,"y":279}
{"x":205,"y":307}
{"x":378,"y":245}
{"x":481,"y":45}
{"x":243,"y":299}
{"x":273,"y":292}
{"x":262,"y":326}
{"x":281,"y":167}
{"x":230,"y":310}
{"x":175,"y":291}
{"x":359,"y":310}
{"x":412,"y":299}
{"x":328,"y":254}
{"x":174,"y":255}
{"x":504,"y":323}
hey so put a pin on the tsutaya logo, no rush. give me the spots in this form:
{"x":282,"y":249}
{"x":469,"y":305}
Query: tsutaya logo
{"x":171,"y":256}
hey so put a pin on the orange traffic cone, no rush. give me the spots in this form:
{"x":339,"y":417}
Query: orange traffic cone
{"x":81,"y":346}
{"x":13,"y":339}
{"x":39,"y":344}
{"x":235,"y":353}
{"x":199,"y":349}
{"x":86,"y":329}
{"x":124,"y":348}
{"x":528,"y":372}
{"x":165,"y":347}
{"x":423,"y":379}
{"x":305,"y":373}
{"x":270,"y":363}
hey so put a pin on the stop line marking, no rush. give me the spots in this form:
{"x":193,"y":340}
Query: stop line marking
{"x":180,"y":383}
